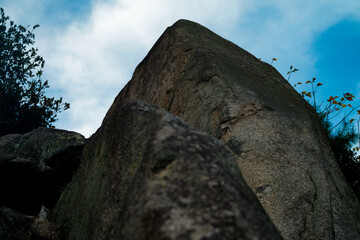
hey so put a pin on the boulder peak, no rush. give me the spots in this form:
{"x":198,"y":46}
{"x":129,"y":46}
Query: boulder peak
{"x":283,"y":153}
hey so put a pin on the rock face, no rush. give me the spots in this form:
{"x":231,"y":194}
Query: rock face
{"x":13,"y":225}
{"x":282,"y":151}
{"x":17,"y":226}
{"x":146,"y":175}
{"x":35,"y":167}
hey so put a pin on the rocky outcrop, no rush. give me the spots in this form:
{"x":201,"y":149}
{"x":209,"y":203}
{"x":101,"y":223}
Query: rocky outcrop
{"x":17,"y":226}
{"x":35,"y":167}
{"x":13,"y":225}
{"x":281,"y":149}
{"x":146,"y":175}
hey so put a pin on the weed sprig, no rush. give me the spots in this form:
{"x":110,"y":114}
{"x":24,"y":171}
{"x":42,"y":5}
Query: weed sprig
{"x":334,"y":107}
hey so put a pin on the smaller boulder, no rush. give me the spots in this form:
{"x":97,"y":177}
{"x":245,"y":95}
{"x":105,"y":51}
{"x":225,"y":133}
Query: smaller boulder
{"x":36,"y":167}
{"x":13,"y":225}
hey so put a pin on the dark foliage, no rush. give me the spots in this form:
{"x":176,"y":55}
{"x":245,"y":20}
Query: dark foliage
{"x":23,"y":104}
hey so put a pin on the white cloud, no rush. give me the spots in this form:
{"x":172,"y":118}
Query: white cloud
{"x":92,"y":59}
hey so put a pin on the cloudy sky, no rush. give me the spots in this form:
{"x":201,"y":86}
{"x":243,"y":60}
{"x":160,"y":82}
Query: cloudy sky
{"x":91,"y":48}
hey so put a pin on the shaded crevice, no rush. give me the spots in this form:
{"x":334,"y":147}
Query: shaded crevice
{"x":236,"y":146}
{"x":312,"y":210}
{"x":246,"y":110}
{"x":180,"y":79}
{"x":212,"y":76}
{"x":171,"y":100}
{"x":313,"y":204}
{"x":227,"y":121}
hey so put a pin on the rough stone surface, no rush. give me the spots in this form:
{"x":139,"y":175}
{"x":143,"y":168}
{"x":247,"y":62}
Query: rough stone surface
{"x":146,"y":175}
{"x":45,"y":230}
{"x":35,"y":167}
{"x":13,"y":225}
{"x":17,"y":226}
{"x":282,"y":151}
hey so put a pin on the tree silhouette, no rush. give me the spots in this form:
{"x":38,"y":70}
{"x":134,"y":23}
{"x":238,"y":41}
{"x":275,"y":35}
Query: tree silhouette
{"x":23,"y":104}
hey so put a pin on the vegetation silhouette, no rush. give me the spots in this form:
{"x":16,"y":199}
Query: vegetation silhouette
{"x":341,"y":134}
{"x":23,"y":104}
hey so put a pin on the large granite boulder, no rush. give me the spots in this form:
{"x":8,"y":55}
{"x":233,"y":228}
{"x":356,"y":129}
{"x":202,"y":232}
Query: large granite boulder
{"x":146,"y":175}
{"x":35,"y":167}
{"x":282,"y":150}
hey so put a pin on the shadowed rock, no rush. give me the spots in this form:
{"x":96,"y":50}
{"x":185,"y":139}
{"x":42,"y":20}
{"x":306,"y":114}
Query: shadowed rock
{"x":17,"y":226}
{"x":146,"y":175}
{"x":35,"y":167}
{"x":13,"y":225}
{"x":282,"y":151}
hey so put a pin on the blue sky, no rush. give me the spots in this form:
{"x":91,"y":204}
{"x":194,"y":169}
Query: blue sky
{"x":91,"y":48}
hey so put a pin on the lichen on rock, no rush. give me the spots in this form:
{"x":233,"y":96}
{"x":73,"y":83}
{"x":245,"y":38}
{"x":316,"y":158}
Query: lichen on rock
{"x":224,"y":91}
{"x":146,"y":175}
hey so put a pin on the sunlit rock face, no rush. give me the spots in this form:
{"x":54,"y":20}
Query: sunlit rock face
{"x":282,"y":151}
